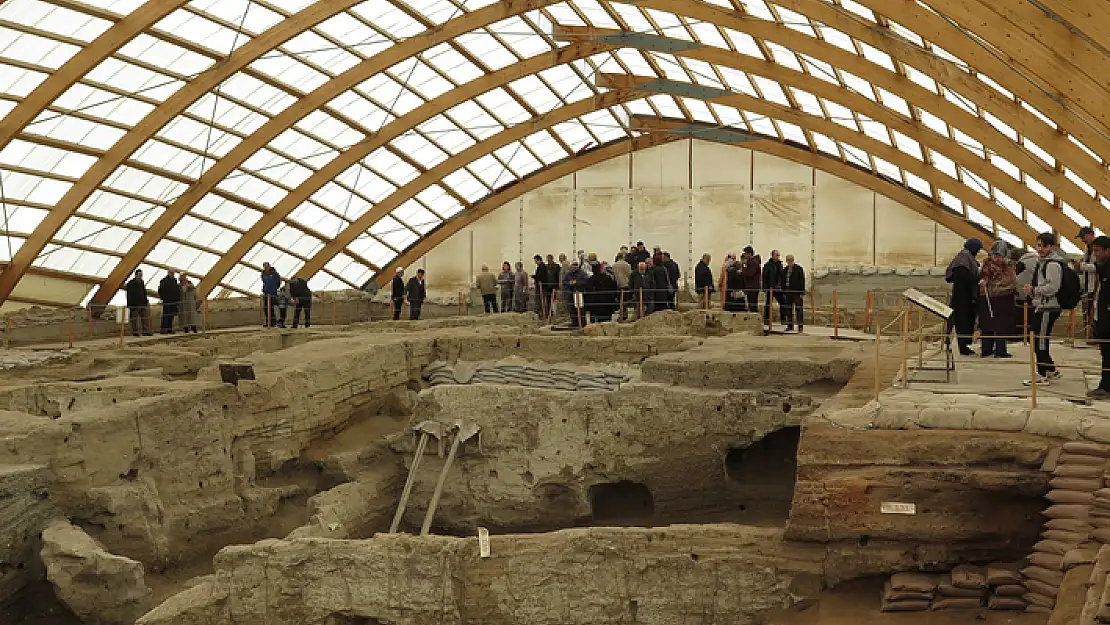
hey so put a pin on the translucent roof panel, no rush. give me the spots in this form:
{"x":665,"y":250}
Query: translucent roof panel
{"x":373,"y":123}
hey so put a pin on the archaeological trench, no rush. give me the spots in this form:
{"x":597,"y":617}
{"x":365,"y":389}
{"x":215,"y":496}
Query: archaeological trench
{"x":680,"y":469}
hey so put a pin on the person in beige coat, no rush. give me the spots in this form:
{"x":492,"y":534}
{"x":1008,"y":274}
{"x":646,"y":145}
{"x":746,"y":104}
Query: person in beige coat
{"x":487,"y":286}
{"x":189,"y":308}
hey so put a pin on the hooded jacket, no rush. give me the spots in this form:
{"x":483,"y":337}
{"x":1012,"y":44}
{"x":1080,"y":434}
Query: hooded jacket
{"x":271,"y":282}
{"x":1047,"y":281}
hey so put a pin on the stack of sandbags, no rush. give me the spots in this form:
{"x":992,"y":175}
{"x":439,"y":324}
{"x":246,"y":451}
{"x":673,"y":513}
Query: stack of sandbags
{"x":1097,"y":595}
{"x":1006,"y":586}
{"x":909,"y":592}
{"x":965,"y":589}
{"x":1079,"y":512}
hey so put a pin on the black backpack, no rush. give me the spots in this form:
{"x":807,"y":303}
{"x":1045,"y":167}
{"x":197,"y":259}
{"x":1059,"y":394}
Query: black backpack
{"x":1070,"y":291}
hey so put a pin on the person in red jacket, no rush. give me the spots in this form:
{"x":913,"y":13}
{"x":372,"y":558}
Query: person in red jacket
{"x":753,"y":278}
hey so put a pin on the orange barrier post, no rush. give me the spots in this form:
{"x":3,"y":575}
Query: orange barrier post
{"x":641,"y":315}
{"x":620,"y":304}
{"x":707,"y":298}
{"x":122,"y":324}
{"x":71,"y":331}
{"x":269,"y":321}
{"x":905,"y":345}
{"x":770,"y":309}
{"x":1025,"y":322}
{"x":920,"y":340}
{"x":812,"y":302}
{"x":836,"y":317}
{"x":90,"y":323}
{"x":878,"y":376}
{"x":1032,"y":370}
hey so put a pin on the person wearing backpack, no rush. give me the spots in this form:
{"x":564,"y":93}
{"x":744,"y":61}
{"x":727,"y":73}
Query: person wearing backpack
{"x":1055,"y":288}
{"x":963,"y":274}
{"x":1100,"y":248}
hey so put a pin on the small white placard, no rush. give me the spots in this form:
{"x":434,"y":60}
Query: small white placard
{"x":483,"y":542}
{"x":895,"y":507}
{"x":123,"y":315}
{"x":579,"y":300}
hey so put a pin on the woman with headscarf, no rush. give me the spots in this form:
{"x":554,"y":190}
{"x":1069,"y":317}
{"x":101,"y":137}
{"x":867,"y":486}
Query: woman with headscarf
{"x":505,"y":281}
{"x":520,"y":289}
{"x":734,"y":288}
{"x":963,"y":275}
{"x":997,"y":303}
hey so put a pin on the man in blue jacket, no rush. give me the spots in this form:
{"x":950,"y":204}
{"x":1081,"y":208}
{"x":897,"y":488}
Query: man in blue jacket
{"x":271,"y":282}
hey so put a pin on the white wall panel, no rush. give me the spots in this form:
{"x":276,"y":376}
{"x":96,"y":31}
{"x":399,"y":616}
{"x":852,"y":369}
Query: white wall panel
{"x":601,"y":220}
{"x":948,"y":245}
{"x":612,"y":174}
{"x":845,"y":223}
{"x":782,"y":208}
{"x":715,"y":164}
{"x":665,"y":166}
{"x":548,"y":220}
{"x":720,"y":222}
{"x":447,"y":265}
{"x":662,"y":217}
{"x":497,"y":238}
{"x":903,"y":237}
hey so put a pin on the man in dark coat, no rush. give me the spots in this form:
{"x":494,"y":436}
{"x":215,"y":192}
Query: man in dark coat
{"x":416,"y":292}
{"x":772,"y":286}
{"x":602,"y":296}
{"x":673,"y":274}
{"x":539,"y":278}
{"x":793,"y":294}
{"x":703,"y":278}
{"x":963,"y":275}
{"x":139,"y":305}
{"x":169,"y":291}
{"x":734,"y":288}
{"x":661,"y":295}
{"x":641,"y":286}
{"x":398,"y":294}
{"x":1100,"y":248}
{"x":574,"y":282}
{"x":554,"y":280}
{"x":302,"y":296}
{"x":639,"y":254}
{"x":271,"y":282}
{"x":752,"y":279}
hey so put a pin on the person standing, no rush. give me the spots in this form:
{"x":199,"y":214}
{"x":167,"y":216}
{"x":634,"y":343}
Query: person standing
{"x":622,"y":275}
{"x":539,"y":279}
{"x":554,"y":281}
{"x":752,"y":278}
{"x":673,"y":274}
{"x":722,"y":278}
{"x":189,"y":312}
{"x":641,"y":285}
{"x":139,"y":305}
{"x":398,"y":295}
{"x":302,"y":296}
{"x":772,"y":286}
{"x":487,"y":287}
{"x":520,"y":289}
{"x":282,"y":305}
{"x":416,"y":292}
{"x":1088,"y":272}
{"x":575,"y":283}
{"x":735,"y":296}
{"x":1100,"y":247}
{"x":170,"y":294}
{"x":997,"y":306}
{"x":963,"y":275}
{"x":602,"y":297}
{"x":793,"y":294}
{"x":1047,"y":280}
{"x":703,"y":279}
{"x":662,"y":295}
{"x":271,"y":282}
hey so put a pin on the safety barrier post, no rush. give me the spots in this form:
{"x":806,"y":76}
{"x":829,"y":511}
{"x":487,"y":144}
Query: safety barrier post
{"x":70,"y":322}
{"x":770,"y":309}
{"x":836,"y":317}
{"x":122,"y":324}
{"x":813,"y":303}
{"x":878,"y":375}
{"x":920,"y":340}
{"x":1025,"y":322}
{"x":641,"y":313}
{"x":707,"y":298}
{"x":269,"y":321}
{"x":1032,"y":370}
{"x":905,"y":344}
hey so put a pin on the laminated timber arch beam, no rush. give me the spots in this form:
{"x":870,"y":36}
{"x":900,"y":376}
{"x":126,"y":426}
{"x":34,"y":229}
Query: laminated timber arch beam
{"x":1088,"y":19}
{"x":660,"y":135}
{"x":152,"y":123}
{"x":940,"y":144}
{"x":281,"y":122}
{"x":943,"y":71}
{"x":412,"y":188}
{"x":932,"y":27}
{"x":110,"y":41}
{"x":1006,"y":109}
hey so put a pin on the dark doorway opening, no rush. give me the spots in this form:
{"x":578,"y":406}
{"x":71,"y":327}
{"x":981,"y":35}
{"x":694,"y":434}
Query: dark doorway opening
{"x":761,"y":477}
{"x":621,"y":502}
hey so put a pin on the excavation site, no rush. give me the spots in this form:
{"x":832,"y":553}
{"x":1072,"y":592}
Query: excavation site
{"x":499,"y":470}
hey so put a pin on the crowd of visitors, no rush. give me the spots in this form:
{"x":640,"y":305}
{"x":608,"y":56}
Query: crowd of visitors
{"x":638,"y":282}
{"x":179,"y":300}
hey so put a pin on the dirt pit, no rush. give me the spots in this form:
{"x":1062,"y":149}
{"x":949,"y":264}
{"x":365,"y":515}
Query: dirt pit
{"x":689,"y":453}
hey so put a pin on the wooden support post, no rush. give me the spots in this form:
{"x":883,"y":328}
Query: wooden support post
{"x":905,"y":346}
{"x":836,"y":317}
{"x":620,"y":305}
{"x":269,"y":322}
{"x":1025,"y":322}
{"x":770,"y":310}
{"x":878,"y":373}
{"x":70,"y":323}
{"x":707,"y":298}
{"x":640,"y":315}
{"x":920,"y":340}
{"x":1032,"y":369}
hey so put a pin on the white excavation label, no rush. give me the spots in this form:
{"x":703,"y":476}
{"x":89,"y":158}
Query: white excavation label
{"x":894,"y":507}
{"x":483,"y":542}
